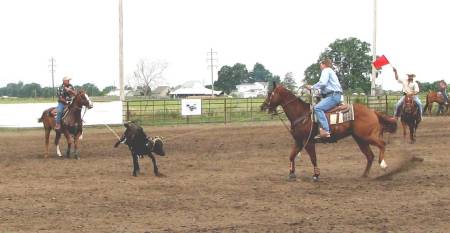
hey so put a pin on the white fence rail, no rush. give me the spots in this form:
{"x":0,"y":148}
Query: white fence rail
{"x":27,"y":115}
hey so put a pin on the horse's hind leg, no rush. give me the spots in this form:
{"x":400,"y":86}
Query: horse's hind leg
{"x":57,"y":138}
{"x":155,"y":168}
{"x":382,"y":147}
{"x":311,"y":149}
{"x":365,"y":149}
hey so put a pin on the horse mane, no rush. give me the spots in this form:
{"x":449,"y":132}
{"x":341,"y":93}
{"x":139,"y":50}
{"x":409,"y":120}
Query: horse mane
{"x":288,"y":92}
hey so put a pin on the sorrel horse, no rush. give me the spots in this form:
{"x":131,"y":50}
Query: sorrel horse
{"x":437,"y":97}
{"x":366,"y":129}
{"x":410,"y":116}
{"x":71,"y":124}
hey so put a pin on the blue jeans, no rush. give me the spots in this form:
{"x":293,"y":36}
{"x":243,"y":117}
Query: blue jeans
{"x":324,"y":105}
{"x":444,"y":93}
{"x":59,"y":112}
{"x":416,"y":99}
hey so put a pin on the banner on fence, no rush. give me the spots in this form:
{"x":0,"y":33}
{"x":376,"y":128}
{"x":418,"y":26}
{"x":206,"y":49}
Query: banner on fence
{"x":191,"y":107}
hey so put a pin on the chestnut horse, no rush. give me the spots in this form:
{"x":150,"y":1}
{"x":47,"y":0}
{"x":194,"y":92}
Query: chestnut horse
{"x":366,"y":128}
{"x":71,"y":124}
{"x":410,"y":116}
{"x":438,"y":98}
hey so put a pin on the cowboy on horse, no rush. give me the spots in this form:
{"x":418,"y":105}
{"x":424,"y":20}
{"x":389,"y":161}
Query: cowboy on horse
{"x":410,"y":87}
{"x":442,"y":86}
{"x":331,"y":90}
{"x":65,"y":95}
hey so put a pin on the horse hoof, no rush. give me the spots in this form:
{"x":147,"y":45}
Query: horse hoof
{"x":292,"y":177}
{"x":383,"y":164}
{"x":315,"y":178}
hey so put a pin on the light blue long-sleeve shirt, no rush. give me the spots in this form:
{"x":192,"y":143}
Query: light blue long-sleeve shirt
{"x":328,"y":82}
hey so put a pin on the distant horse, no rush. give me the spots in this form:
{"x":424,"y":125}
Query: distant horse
{"x":366,"y":128}
{"x":71,"y":124}
{"x":410,"y":116}
{"x":438,"y":98}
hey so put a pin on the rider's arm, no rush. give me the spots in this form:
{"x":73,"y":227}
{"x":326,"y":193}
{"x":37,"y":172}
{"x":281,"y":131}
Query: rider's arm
{"x":70,"y":90}
{"x":324,"y":76}
{"x":416,"y":88}
{"x":62,"y":99}
{"x":396,"y":76}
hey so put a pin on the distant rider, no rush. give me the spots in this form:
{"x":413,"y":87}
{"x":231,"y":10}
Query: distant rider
{"x":442,"y":86}
{"x":65,"y":95}
{"x":409,"y":87}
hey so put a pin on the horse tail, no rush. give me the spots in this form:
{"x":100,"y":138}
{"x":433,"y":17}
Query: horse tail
{"x":389,"y":123}
{"x":42,"y":117}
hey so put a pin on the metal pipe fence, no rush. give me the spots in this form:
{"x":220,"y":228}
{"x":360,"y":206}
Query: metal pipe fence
{"x":227,"y":110}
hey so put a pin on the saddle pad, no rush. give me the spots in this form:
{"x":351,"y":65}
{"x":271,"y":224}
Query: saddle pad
{"x":340,"y":117}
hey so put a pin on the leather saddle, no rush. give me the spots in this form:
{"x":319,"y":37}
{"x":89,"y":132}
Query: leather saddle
{"x":343,"y":108}
{"x":52,"y":111}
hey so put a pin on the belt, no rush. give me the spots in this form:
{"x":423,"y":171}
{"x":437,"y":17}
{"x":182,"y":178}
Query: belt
{"x":333,"y":93}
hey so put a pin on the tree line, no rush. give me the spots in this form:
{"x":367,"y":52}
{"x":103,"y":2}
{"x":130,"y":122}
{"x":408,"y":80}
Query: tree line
{"x":34,"y":90}
{"x":352,"y":62}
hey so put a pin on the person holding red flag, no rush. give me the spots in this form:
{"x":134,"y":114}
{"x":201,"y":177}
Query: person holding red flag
{"x":410,"y":86}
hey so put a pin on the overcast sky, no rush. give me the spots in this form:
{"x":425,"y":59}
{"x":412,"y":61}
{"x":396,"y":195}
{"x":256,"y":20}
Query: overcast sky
{"x":283,"y":35}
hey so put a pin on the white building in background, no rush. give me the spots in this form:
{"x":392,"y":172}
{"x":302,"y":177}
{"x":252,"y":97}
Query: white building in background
{"x":192,"y":88}
{"x":251,"y":90}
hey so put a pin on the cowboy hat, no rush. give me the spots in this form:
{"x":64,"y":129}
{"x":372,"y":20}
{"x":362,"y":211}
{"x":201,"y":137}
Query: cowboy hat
{"x":411,"y":75}
{"x":67,"y":78}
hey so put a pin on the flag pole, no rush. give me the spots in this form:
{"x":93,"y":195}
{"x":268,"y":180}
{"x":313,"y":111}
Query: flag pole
{"x":374,"y":49}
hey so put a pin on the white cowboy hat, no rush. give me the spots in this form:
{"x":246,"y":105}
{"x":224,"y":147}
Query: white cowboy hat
{"x":67,"y":78}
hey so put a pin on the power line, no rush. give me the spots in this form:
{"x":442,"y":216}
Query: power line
{"x":211,"y":60}
{"x":52,"y":66}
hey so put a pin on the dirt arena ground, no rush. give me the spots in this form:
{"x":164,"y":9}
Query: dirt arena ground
{"x":225,"y":178}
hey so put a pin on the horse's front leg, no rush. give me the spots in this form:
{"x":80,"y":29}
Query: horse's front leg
{"x":155,"y":167}
{"x":47,"y":140}
{"x":135,"y":164}
{"x":412,"y":132}
{"x":311,"y":149}
{"x":75,"y":145}
{"x":404,"y":130}
{"x":69,"y":143}
{"x":294,"y":151}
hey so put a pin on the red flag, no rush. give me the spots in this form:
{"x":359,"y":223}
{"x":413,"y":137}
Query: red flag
{"x":381,"y":61}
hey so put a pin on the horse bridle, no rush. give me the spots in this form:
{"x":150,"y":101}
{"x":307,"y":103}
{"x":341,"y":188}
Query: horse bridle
{"x":267,"y":103}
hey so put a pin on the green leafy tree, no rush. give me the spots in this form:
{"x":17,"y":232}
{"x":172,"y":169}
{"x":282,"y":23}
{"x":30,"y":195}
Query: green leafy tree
{"x":289,"y":82}
{"x":108,"y":89}
{"x":229,"y":77}
{"x":352,"y":64}
{"x":260,"y":74}
{"x":91,"y":89}
{"x":30,"y":90}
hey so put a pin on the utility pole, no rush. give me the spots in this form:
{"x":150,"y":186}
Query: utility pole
{"x":211,"y":60}
{"x":52,"y":69}
{"x":374,"y":48}
{"x":122,"y":95}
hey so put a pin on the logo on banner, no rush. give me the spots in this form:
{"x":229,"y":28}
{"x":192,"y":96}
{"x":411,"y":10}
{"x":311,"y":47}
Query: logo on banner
{"x":191,"y":107}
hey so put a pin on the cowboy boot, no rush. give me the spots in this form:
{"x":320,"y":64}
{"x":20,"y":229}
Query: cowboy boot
{"x":323,"y":133}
